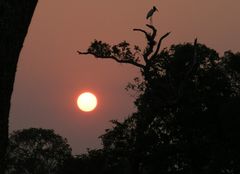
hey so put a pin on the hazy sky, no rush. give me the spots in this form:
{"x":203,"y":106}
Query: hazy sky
{"x":51,"y":74}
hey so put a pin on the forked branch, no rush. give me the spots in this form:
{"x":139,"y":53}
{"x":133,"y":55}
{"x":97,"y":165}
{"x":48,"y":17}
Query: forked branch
{"x":151,"y":41}
{"x":159,"y":45}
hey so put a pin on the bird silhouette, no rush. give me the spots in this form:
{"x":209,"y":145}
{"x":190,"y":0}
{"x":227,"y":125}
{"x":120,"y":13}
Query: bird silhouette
{"x":150,"y":13}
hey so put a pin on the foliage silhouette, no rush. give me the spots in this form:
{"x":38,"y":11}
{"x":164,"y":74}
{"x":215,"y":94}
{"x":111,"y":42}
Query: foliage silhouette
{"x":96,"y":161}
{"x":188,"y":108}
{"x":15,"y":17}
{"x":37,"y":151}
{"x":92,"y":162}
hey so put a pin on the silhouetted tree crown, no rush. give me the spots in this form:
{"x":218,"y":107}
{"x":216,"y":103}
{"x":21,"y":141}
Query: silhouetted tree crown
{"x":37,"y":151}
{"x":187,"y":108}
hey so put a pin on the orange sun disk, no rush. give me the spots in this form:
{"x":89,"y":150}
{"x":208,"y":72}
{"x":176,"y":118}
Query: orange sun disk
{"x":87,"y":102}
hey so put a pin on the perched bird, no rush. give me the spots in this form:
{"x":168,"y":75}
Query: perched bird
{"x":150,"y":13}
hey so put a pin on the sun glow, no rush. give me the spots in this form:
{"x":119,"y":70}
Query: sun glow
{"x":87,"y":102}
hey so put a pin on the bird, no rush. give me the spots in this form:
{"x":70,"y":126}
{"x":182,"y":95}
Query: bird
{"x":150,"y":13}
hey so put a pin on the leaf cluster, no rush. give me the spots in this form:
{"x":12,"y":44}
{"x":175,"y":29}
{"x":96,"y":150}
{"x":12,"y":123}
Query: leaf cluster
{"x":121,"y":51}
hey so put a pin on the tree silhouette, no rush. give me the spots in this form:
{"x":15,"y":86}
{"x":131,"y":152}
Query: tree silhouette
{"x":188,"y":100}
{"x":15,"y":17}
{"x":37,"y":151}
{"x":94,"y":161}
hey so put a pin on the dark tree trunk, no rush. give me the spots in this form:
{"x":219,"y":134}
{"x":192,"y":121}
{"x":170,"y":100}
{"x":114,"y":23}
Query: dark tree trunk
{"x":15,"y":17}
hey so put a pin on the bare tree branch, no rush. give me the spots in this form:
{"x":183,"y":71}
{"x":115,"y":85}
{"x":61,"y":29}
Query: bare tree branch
{"x":159,"y":45}
{"x":114,"y":58}
{"x":148,"y":35}
{"x":143,"y":31}
{"x":151,"y":41}
{"x":154,"y":31}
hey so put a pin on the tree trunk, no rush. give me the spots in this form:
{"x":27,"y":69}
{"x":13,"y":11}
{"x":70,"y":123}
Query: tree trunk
{"x":15,"y":17}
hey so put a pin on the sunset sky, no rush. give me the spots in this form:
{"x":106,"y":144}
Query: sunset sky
{"x":51,"y":75}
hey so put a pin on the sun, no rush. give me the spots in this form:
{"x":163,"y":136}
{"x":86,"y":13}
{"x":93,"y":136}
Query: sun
{"x":87,"y":102}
